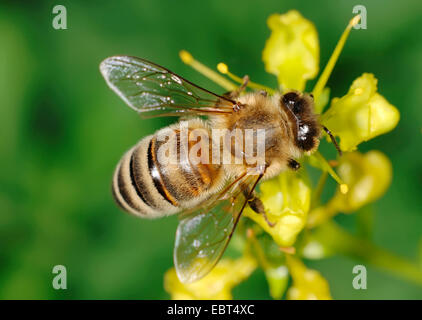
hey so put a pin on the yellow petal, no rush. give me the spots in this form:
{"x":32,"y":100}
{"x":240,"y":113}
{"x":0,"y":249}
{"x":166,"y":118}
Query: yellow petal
{"x":216,"y":285}
{"x":361,"y":114}
{"x":292,"y":51}
{"x":308,"y":284}
{"x":286,"y":200}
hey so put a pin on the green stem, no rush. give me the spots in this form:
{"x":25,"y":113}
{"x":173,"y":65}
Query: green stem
{"x":365,"y":221}
{"x":259,"y":252}
{"x":318,"y":190}
{"x":318,"y":160}
{"x":323,"y":78}
{"x":342,"y":242}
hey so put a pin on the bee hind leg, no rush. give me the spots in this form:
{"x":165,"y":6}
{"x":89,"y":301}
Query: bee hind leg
{"x":256,"y":205}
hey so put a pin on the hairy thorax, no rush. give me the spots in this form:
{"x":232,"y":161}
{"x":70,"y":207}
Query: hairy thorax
{"x":262,"y":118}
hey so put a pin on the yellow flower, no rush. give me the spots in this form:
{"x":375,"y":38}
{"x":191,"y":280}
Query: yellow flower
{"x":286,"y":199}
{"x":368,"y":176}
{"x":292,"y":54}
{"x":292,"y":51}
{"x":361,"y":114}
{"x":217,"y":285}
{"x":308,"y":284}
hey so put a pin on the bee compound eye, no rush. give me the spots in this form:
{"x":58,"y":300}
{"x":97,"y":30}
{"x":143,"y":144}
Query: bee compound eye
{"x":298,"y":106}
{"x":290,"y":99}
{"x":294,"y":102}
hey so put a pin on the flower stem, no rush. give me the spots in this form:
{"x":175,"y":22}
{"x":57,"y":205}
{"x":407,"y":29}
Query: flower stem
{"x":260,"y":255}
{"x":365,"y":221}
{"x":325,"y":75}
{"x":339,"y":240}
{"x":318,"y":189}
{"x":325,"y":166}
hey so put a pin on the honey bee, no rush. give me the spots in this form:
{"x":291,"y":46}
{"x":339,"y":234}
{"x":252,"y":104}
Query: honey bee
{"x":209,"y":197}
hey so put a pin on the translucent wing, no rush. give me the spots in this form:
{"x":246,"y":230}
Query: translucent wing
{"x":155,"y":91}
{"x":204,"y":233}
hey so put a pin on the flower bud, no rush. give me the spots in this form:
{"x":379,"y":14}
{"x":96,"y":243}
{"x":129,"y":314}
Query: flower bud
{"x":278,"y":278}
{"x":361,"y":114}
{"x":368,"y":177}
{"x":286,"y":200}
{"x":308,"y":284}
{"x":292,"y":51}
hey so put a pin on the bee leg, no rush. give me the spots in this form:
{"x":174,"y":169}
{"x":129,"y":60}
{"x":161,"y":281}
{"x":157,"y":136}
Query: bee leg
{"x":333,"y":140}
{"x":236,"y":93}
{"x":243,"y":85}
{"x":293,"y":164}
{"x":233,"y":95}
{"x":263,"y":93}
{"x":256,"y":205}
{"x":271,"y":224}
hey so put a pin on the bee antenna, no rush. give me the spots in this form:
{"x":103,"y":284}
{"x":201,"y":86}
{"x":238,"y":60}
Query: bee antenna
{"x":333,"y":140}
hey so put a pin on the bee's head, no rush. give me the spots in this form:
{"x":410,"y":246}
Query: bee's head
{"x":300,"y":108}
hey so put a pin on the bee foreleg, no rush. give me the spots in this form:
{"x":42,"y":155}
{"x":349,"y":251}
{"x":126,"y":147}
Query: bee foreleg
{"x":293,"y":164}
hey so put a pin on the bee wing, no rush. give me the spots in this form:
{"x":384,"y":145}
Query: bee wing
{"x":204,"y":233}
{"x":155,"y":91}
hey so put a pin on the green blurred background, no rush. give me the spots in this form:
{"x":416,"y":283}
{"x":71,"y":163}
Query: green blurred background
{"x":63,"y":131}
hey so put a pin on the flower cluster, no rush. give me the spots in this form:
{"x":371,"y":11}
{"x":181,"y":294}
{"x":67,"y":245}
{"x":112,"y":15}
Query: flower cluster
{"x":291,"y":202}
{"x":216,"y":285}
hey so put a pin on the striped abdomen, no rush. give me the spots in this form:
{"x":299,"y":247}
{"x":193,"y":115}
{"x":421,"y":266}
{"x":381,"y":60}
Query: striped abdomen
{"x":150,"y":182}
